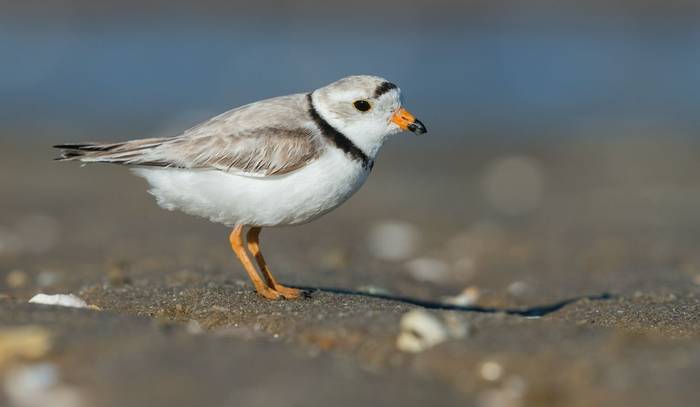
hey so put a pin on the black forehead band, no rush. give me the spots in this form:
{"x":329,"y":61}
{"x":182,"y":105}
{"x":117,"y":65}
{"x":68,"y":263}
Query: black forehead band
{"x":383,"y":88}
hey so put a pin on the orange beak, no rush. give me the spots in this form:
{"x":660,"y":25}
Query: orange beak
{"x":406,"y":121}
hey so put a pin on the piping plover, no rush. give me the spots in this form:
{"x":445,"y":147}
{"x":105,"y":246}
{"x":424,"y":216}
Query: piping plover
{"x":280,"y":161}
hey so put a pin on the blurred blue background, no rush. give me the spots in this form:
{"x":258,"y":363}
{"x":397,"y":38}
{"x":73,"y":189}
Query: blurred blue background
{"x":467,"y":70}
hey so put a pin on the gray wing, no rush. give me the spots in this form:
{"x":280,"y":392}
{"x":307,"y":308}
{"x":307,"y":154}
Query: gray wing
{"x":270,"y":137}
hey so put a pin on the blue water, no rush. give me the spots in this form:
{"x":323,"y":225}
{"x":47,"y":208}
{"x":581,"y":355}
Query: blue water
{"x":518,"y":73}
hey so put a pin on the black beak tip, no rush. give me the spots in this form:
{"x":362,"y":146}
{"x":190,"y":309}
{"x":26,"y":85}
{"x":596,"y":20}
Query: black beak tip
{"x":417,"y":127}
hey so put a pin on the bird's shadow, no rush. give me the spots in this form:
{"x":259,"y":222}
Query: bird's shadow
{"x":531,"y":312}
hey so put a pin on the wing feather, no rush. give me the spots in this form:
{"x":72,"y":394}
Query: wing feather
{"x":270,"y":137}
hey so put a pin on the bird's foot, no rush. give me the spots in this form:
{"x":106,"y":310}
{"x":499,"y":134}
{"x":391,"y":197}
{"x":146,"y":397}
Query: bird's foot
{"x":268,"y":293}
{"x":281,"y":292}
{"x":291,"y":293}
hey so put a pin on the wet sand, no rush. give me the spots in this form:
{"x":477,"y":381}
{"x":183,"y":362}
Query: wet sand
{"x":585,"y":291}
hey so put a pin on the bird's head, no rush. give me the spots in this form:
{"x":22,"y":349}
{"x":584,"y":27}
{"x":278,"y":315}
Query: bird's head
{"x":366,"y":109}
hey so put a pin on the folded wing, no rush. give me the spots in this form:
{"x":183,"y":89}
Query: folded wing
{"x":271,"y":137}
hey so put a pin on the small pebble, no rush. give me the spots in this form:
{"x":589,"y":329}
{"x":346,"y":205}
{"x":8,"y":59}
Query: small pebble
{"x":16,"y":279}
{"x":491,"y":371}
{"x":34,"y":378}
{"x":393,"y":240}
{"x":519,"y":288}
{"x":373,"y":289}
{"x":24,"y":342}
{"x":420,"y":330}
{"x":39,"y":386}
{"x":468,"y":296}
{"x":428,"y":269}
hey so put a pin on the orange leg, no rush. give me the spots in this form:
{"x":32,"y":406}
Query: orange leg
{"x":263,"y":290}
{"x":254,"y":247}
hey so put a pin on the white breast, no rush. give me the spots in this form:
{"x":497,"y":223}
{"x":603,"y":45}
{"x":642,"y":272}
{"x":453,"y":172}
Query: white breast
{"x":235,"y":199}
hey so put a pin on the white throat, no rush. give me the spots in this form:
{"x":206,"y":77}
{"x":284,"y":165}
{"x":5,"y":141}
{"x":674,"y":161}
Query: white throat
{"x":368,"y":137}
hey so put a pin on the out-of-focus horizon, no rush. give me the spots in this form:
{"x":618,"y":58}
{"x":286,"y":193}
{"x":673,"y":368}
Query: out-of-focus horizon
{"x":473,"y":70}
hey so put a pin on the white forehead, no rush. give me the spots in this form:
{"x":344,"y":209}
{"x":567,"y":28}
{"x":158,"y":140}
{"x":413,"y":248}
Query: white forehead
{"x":361,"y":87}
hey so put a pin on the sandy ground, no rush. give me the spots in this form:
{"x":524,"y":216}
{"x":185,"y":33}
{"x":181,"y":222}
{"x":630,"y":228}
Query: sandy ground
{"x":580,"y":261}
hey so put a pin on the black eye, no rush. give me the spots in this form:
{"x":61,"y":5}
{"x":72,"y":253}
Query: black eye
{"x":362,"y":105}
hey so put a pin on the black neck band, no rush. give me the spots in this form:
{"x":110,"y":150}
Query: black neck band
{"x":338,"y":138}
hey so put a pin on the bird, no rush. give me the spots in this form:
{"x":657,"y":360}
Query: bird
{"x":281,"y":161}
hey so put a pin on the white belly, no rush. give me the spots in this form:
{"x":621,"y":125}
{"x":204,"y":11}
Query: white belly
{"x":233,"y":199}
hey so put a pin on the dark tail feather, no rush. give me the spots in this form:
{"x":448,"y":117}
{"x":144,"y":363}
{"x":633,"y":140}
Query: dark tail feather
{"x":72,"y":151}
{"x":128,"y":152}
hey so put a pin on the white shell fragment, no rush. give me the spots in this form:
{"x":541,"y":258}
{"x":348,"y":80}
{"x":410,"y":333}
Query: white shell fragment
{"x":468,"y":296}
{"x":62,"y":300}
{"x":491,"y":370}
{"x":420,"y":331}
